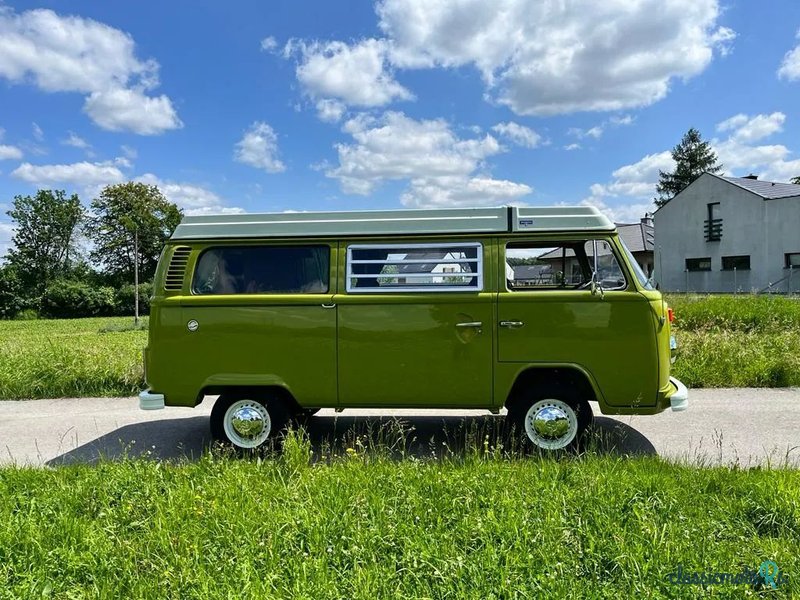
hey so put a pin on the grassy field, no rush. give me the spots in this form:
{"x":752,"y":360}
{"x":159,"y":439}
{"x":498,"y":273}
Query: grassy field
{"x":363,"y":525}
{"x":725,"y":341}
{"x":70,"y":358}
{"x":737,"y":341}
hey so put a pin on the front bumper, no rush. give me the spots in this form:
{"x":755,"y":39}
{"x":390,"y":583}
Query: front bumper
{"x":678,"y":400}
{"x":150,"y":401}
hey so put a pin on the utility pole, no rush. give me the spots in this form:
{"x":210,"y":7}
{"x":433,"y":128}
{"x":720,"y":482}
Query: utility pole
{"x":136,"y":276}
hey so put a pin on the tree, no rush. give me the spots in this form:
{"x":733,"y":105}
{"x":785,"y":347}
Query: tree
{"x":692,"y":157}
{"x":795,"y":180}
{"x":129,"y":226}
{"x":44,"y":244}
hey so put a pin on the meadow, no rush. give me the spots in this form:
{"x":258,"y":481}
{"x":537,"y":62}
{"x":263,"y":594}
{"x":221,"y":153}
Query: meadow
{"x":362,"y":524}
{"x":724,"y":341}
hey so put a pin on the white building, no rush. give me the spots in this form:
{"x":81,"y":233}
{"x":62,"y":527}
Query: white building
{"x":726,"y":234}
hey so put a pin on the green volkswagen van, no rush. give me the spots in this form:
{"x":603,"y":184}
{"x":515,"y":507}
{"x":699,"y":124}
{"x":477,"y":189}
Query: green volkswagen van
{"x":536,"y":310}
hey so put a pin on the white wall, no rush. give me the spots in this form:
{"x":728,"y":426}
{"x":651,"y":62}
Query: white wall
{"x":762,"y":229}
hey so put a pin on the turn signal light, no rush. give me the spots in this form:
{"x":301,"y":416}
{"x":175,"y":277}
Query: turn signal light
{"x":670,"y":315}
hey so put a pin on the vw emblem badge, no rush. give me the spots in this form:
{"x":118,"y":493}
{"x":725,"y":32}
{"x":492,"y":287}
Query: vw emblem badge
{"x":192,"y":325}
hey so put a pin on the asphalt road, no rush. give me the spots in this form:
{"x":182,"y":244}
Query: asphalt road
{"x":724,"y":426}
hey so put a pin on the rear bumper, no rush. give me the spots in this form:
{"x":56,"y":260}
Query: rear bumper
{"x":150,"y":401}
{"x":679,"y":399}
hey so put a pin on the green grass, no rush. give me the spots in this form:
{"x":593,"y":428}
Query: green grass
{"x":737,"y":341}
{"x":362,"y":525}
{"x":724,"y":341}
{"x":70,"y":358}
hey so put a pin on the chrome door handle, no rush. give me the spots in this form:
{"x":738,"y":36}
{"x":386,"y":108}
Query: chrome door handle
{"x":470,"y":324}
{"x":511,"y":324}
{"x":329,"y":305}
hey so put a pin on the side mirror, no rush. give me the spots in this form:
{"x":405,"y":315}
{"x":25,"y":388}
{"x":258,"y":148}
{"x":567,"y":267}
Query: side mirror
{"x":596,"y":287}
{"x":658,"y":286}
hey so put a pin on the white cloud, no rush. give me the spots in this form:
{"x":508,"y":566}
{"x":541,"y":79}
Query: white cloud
{"x":6,"y":233}
{"x":76,"y":141}
{"x":129,"y":152}
{"x":597,"y":131}
{"x":441,"y":168}
{"x":747,"y":129}
{"x":330,"y":111}
{"x":10,"y":152}
{"x":637,"y":180}
{"x":83,"y":175}
{"x":268,"y":44}
{"x":547,"y":57}
{"x":455,"y":191}
{"x":519,"y":134}
{"x":259,"y":148}
{"x":193,"y":199}
{"x":620,"y":213}
{"x":131,"y":110}
{"x":73,"y":54}
{"x":572,"y":147}
{"x":790,"y":66}
{"x":357,"y":75}
{"x":38,"y":134}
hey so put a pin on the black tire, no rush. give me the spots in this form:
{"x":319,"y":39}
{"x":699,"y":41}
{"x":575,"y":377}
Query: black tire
{"x":274,"y":406}
{"x":516,"y":433}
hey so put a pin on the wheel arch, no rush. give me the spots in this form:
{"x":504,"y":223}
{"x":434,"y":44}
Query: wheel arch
{"x":571,"y":375}
{"x":255,"y":392}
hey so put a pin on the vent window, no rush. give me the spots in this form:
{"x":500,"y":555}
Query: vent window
{"x":177,"y":269}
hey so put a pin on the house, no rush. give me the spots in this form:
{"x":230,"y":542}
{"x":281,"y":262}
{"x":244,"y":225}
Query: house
{"x":728,"y":234}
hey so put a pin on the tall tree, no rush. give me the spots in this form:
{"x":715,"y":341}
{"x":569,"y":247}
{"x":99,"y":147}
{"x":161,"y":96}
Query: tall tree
{"x":795,"y":180}
{"x":130,"y":221}
{"x":44,"y":244}
{"x":692,"y":157}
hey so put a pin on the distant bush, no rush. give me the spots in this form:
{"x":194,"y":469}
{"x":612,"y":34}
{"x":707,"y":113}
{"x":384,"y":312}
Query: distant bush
{"x":27,"y":314}
{"x":124,"y":299}
{"x":73,"y":299}
{"x":11,"y":299}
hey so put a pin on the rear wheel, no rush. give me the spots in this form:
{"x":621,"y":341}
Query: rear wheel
{"x":247,"y":422}
{"x":550,"y":418}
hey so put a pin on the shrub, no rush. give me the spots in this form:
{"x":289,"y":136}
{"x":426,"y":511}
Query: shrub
{"x":11,"y":300}
{"x":73,"y":299}
{"x":124,"y":299}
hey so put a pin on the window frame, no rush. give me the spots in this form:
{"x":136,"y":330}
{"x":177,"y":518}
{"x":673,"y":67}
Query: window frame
{"x":708,"y":270}
{"x":239,"y":246}
{"x":734,"y":268}
{"x":787,"y":260}
{"x":402,"y":289}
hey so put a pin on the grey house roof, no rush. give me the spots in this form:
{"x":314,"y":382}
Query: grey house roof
{"x":638,"y":237}
{"x":769,"y":190}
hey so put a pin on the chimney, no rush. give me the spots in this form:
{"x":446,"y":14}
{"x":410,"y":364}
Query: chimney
{"x":647,"y":219}
{"x":751,"y":176}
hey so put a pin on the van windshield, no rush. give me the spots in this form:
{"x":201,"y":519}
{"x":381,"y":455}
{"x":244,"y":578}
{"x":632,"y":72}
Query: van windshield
{"x":637,"y":270}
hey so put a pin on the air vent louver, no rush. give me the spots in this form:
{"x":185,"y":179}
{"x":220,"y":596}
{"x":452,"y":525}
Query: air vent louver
{"x":177,"y":269}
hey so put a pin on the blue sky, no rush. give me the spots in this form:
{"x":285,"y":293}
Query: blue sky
{"x":301,"y":105}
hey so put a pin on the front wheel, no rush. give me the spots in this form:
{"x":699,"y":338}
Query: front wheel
{"x":551,"y":419}
{"x":247,"y":423}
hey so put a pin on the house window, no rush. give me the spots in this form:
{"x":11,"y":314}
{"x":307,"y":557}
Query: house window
{"x":445,"y":267}
{"x":740,"y":263}
{"x":713,"y":225}
{"x":698,"y":264}
{"x":793,"y":260}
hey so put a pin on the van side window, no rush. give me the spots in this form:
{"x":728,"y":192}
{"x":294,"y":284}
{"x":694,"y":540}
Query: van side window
{"x":444,"y":267}
{"x":263,"y":270}
{"x":568,"y":265}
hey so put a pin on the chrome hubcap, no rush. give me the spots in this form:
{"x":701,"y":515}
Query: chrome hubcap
{"x":247,"y":423}
{"x":551,"y":424}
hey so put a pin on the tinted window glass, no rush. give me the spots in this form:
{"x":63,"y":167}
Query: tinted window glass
{"x":414,"y":267}
{"x":698,"y":264}
{"x":263,"y":270}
